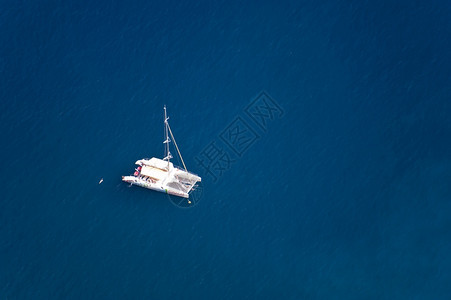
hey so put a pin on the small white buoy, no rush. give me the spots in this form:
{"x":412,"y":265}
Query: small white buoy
{"x":101,"y":180}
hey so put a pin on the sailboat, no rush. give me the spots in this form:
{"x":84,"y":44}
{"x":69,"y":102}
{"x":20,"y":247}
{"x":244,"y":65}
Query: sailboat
{"x":161,"y":174}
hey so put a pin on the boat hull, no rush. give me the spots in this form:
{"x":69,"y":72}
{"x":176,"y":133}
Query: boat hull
{"x":153,"y":186}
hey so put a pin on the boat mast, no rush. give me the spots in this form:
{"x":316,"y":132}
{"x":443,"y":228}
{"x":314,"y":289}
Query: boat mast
{"x":167,"y":131}
{"x":168,"y":155}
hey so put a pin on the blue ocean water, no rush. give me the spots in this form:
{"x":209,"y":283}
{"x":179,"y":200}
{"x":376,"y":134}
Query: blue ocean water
{"x":346,"y":195}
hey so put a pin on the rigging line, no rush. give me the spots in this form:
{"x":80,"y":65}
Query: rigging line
{"x":176,"y":147}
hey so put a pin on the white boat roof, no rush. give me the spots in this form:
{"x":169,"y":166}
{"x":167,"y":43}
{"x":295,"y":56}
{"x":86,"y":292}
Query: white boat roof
{"x":155,"y":173}
{"x":155,"y":162}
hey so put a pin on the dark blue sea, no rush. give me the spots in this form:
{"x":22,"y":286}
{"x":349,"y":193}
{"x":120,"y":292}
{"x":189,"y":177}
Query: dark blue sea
{"x":321,"y":131}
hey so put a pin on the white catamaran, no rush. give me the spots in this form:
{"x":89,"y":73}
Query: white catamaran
{"x":160,"y":174}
